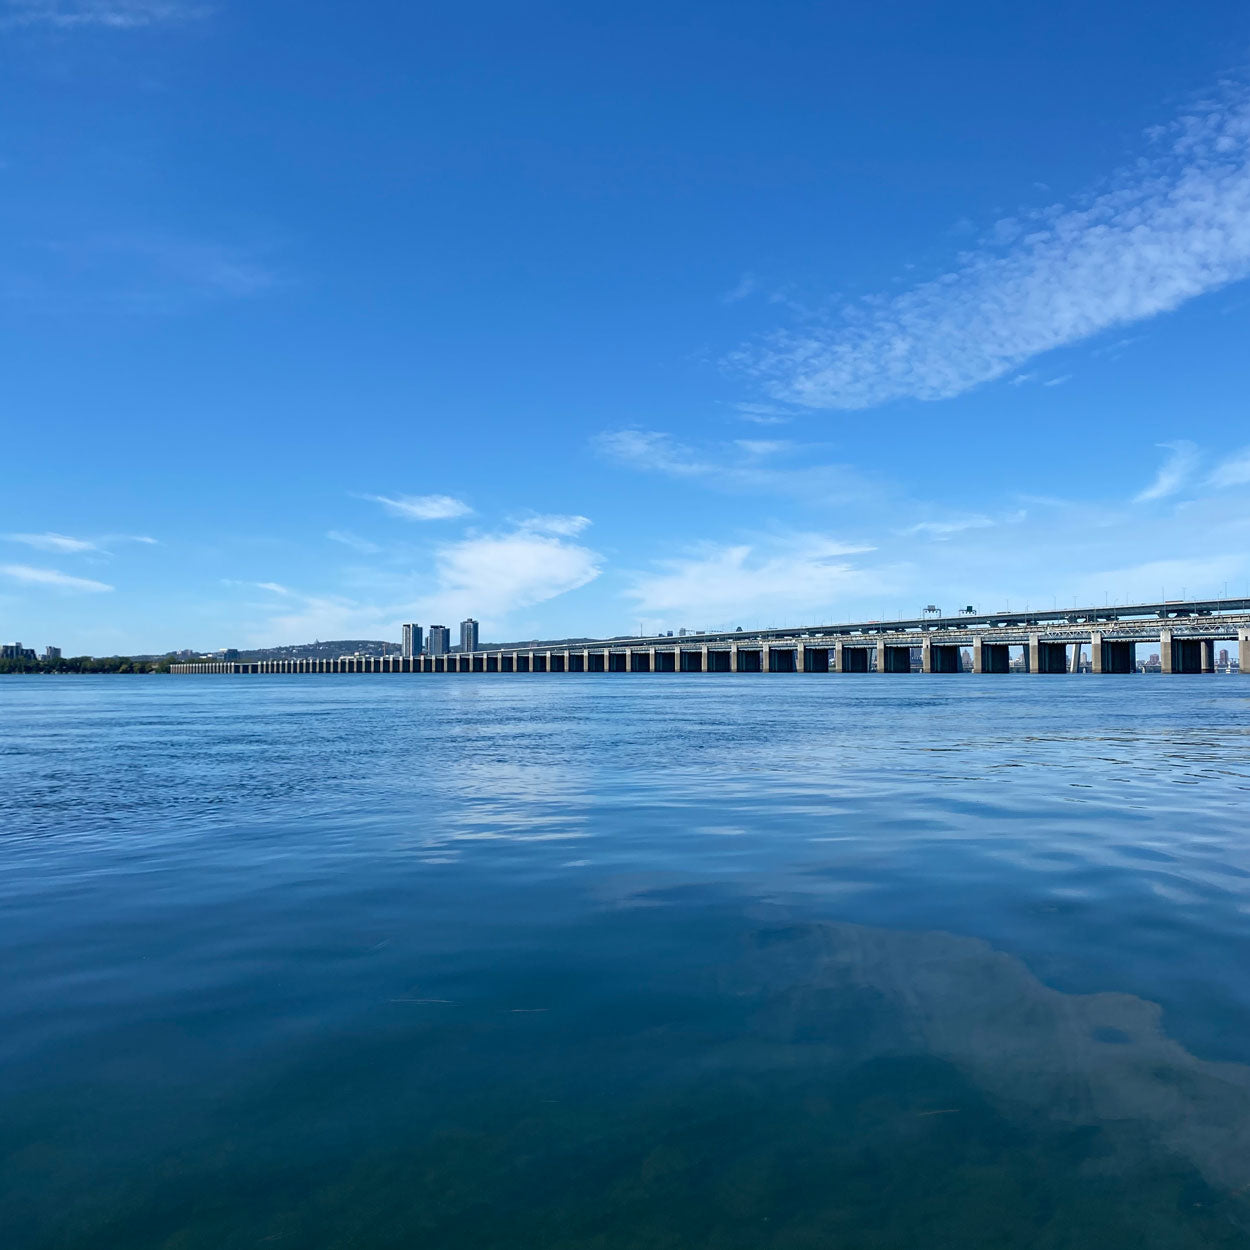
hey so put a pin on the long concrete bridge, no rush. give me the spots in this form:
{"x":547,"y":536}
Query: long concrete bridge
{"x":1051,"y":642}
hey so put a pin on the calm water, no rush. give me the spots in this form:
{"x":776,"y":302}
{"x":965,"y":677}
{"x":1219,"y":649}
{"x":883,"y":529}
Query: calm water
{"x":606,"y":962}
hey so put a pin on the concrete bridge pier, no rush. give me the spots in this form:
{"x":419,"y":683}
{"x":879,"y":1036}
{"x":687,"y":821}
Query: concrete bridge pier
{"x":1052,"y":657}
{"x":815,"y":659}
{"x":995,"y":657}
{"x":778,"y":660}
{"x":1111,"y":657}
{"x":1208,"y":655}
{"x":854,"y":659}
{"x":1046,"y":657}
{"x":893,"y":659}
{"x":1243,"y":651}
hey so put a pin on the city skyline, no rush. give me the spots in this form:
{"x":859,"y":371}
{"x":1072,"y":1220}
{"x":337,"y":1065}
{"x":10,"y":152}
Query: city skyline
{"x":592,"y":322}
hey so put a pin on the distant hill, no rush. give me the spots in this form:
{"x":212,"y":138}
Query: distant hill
{"x":321,"y":650}
{"x":357,"y":646}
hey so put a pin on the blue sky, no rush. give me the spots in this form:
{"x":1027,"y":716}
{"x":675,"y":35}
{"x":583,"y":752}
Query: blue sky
{"x":579,"y":317}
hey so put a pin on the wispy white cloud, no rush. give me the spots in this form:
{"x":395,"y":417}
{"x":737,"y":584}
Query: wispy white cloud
{"x":51,"y":577}
{"x":349,"y":539}
{"x":1235,"y":471}
{"x":275,"y":588}
{"x":65,"y":544}
{"x":487,"y":575}
{"x":563,"y":526}
{"x":791,"y":577}
{"x":761,"y":447}
{"x":104,"y":14}
{"x":1174,"y":473}
{"x":140,"y":273}
{"x":651,"y":450}
{"x":764,"y":414}
{"x":53,"y":542}
{"x":423,"y":507}
{"x":947,"y":528}
{"x":1166,"y":229}
{"x":498,"y":573}
{"x":746,"y":285}
{"x":739,"y":465}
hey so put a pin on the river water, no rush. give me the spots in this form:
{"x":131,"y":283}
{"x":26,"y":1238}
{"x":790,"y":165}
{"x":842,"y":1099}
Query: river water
{"x":625,"y":962}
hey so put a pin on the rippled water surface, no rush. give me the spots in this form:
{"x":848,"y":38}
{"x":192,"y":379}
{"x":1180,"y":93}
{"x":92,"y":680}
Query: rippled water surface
{"x":625,"y":961}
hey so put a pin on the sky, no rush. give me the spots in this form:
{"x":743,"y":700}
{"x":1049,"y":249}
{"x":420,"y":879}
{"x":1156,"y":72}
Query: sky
{"x":586,"y":319}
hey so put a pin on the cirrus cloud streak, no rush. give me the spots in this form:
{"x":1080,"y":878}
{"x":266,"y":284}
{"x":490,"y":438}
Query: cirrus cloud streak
{"x":1167,"y":229}
{"x":30,"y":576}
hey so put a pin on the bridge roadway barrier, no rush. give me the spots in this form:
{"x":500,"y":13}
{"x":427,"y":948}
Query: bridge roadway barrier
{"x":1185,"y":645}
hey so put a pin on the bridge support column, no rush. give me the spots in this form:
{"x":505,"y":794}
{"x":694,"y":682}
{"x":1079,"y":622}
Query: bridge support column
{"x":1165,"y":651}
{"x":1243,"y":651}
{"x":800,"y":658}
{"x":1052,"y":657}
{"x":1095,"y":653}
{"x":1208,"y":655}
{"x":857,"y":659}
{"x":926,"y":656}
{"x":1118,"y":656}
{"x":1032,"y":655}
{"x":703,"y":653}
{"x":733,"y":657}
{"x":978,"y":654}
{"x":766,"y":658}
{"x":893,"y":659}
{"x":651,"y":660}
{"x":1076,"y":657}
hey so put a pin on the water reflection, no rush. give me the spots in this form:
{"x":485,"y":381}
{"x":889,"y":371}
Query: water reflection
{"x":1097,"y":1060}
